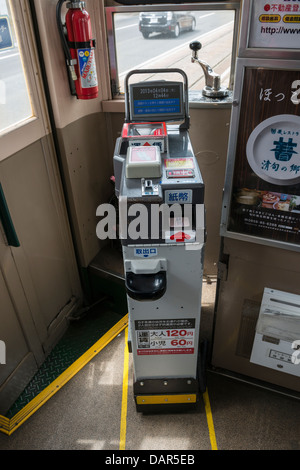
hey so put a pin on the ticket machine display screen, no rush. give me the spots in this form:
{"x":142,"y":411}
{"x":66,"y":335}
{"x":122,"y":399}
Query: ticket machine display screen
{"x":157,"y":100}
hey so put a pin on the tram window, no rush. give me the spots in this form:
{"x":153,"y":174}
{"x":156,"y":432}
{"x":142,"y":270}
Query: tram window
{"x":15,"y":104}
{"x":157,"y":38}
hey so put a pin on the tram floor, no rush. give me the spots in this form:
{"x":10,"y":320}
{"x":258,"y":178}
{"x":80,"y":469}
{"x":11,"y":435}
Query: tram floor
{"x":95,"y":410}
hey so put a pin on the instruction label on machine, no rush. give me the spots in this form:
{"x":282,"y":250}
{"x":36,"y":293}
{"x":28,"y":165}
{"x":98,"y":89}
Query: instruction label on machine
{"x":186,"y":163}
{"x":165,"y":336}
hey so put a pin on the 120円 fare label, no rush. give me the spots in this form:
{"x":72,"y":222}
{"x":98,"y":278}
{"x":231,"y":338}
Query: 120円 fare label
{"x":175,"y":336}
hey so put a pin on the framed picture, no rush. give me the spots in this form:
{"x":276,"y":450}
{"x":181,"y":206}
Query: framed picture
{"x":262,"y":186}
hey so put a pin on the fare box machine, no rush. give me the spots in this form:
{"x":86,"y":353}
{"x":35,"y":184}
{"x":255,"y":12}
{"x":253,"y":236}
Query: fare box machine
{"x":162,"y":231}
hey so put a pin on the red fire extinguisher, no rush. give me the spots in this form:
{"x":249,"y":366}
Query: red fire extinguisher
{"x":79,"y":49}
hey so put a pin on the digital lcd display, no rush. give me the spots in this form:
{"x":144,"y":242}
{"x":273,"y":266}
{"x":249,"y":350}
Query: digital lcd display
{"x":163,"y":100}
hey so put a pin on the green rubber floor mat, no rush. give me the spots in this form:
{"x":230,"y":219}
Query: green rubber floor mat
{"x":81,"y":335}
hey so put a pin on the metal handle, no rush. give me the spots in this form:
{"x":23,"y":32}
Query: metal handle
{"x":8,"y":226}
{"x":212,"y":87}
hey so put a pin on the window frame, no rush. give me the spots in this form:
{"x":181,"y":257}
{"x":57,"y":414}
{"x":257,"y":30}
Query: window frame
{"x":26,"y":131}
{"x":110,"y":11}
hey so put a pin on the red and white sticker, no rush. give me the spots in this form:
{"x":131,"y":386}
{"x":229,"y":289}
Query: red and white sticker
{"x":165,"y":336}
{"x":180,"y":236}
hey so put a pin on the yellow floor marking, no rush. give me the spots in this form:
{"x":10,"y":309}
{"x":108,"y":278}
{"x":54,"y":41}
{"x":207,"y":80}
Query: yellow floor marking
{"x":8,"y":426}
{"x":210,"y":423}
{"x":124,"y":395}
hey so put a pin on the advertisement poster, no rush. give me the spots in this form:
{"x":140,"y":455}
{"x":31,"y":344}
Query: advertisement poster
{"x":265,"y":199}
{"x":275,"y":24}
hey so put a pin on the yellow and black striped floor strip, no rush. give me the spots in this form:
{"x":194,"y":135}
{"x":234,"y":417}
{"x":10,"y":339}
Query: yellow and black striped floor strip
{"x":17,"y":415}
{"x":123,"y":421}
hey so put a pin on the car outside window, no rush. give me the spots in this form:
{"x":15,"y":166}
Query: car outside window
{"x":166,"y":22}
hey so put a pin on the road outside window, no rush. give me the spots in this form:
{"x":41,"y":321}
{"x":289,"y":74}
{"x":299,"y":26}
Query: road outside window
{"x":161,"y":40}
{"x":15,"y":106}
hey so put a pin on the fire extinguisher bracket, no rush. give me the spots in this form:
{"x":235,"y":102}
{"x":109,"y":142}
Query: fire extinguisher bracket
{"x":83,"y":44}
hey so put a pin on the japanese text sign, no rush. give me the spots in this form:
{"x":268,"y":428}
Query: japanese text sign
{"x":275,"y":24}
{"x":265,"y":200}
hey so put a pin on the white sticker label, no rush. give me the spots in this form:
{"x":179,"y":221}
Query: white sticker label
{"x":143,"y":143}
{"x":145,"y":252}
{"x":87,"y":68}
{"x":183,"y":196}
{"x":176,"y":336}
